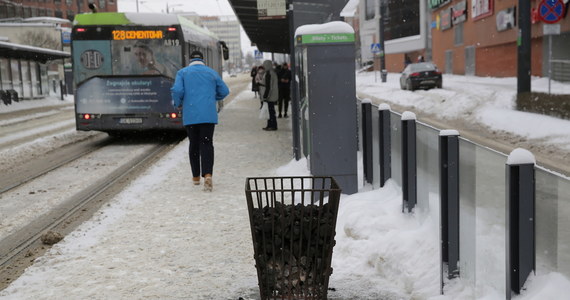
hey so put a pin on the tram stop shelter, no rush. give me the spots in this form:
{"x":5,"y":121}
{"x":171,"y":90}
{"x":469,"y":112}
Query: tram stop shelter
{"x":271,"y":24}
{"x":23,"y":69}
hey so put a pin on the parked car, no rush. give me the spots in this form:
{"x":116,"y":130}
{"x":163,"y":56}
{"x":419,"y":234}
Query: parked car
{"x":420,"y":75}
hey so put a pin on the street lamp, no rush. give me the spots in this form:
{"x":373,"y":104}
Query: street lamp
{"x":141,"y":1}
{"x":381,"y":37}
{"x":169,"y":7}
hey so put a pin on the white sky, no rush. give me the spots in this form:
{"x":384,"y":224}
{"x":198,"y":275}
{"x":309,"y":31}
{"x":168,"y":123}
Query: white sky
{"x":201,"y":7}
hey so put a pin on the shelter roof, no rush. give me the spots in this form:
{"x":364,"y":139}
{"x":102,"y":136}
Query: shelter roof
{"x":11,"y":50}
{"x":273,"y":35}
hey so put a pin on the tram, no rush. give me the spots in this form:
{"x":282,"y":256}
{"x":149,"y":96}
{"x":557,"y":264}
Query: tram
{"x":124,"y":65}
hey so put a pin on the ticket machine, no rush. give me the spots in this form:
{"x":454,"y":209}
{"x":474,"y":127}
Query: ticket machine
{"x":328,"y":109}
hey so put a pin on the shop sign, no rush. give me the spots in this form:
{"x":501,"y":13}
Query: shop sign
{"x":459,"y":12}
{"x":271,"y":9}
{"x":433,"y":4}
{"x":326,"y":38}
{"x":445,"y":17}
{"x":506,"y":19}
{"x":481,"y":8}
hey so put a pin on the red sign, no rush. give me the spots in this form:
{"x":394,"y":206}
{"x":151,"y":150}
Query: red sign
{"x":551,"y":11}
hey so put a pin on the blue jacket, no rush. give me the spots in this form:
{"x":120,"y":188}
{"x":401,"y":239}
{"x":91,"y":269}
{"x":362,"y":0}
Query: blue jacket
{"x":196,"y":90}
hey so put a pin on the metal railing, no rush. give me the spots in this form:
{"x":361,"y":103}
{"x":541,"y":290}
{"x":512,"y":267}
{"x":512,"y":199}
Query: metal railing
{"x":493,"y":227}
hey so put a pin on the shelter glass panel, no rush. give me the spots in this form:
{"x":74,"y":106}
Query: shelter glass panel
{"x":396,"y":147}
{"x":482,"y":195}
{"x":26,"y":79}
{"x":35,"y":76}
{"x":44,"y":80}
{"x":427,"y":167}
{"x":375,"y":147}
{"x":5,"y":76}
{"x":16,"y":76}
{"x":552,"y":223}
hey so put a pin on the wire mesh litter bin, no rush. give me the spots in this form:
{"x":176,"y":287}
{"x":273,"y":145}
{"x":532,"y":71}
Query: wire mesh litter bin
{"x":293,"y":223}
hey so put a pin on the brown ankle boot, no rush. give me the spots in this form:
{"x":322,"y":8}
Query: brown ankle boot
{"x":208,"y":184}
{"x":196,"y":180}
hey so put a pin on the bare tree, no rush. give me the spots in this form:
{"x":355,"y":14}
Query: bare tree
{"x":40,"y":39}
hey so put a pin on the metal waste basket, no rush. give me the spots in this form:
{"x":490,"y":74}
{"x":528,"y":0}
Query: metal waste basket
{"x":293,"y":222}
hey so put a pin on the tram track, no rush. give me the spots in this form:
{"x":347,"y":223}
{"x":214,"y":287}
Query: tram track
{"x":21,"y":247}
{"x":33,"y":169}
{"x":32,"y":204}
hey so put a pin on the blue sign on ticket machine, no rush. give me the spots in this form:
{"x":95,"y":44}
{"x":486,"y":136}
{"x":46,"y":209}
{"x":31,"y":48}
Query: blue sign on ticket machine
{"x":328,"y":108}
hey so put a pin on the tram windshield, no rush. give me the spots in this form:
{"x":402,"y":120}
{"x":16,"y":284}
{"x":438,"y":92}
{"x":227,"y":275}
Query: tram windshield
{"x":116,"y":51}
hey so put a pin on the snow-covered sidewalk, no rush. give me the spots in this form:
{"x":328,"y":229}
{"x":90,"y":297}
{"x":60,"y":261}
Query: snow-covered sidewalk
{"x":164,"y":238}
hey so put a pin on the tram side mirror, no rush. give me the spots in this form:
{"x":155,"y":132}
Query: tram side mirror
{"x":92,"y":7}
{"x":225,"y":50}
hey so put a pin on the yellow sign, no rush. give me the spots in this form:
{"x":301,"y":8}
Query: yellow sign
{"x":137,"y":34}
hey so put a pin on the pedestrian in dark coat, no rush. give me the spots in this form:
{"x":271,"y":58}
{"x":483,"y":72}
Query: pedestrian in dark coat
{"x":284,"y":90}
{"x":270,"y":94}
{"x":254,"y":85}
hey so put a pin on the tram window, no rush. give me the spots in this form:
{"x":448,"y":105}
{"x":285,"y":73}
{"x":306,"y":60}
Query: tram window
{"x":210,"y":57}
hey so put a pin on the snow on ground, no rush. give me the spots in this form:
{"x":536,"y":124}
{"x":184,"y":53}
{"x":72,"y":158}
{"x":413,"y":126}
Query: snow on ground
{"x":485,"y":100}
{"x":163,"y":238}
{"x":28,"y":104}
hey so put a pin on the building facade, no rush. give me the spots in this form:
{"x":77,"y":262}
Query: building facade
{"x":406,"y":31}
{"x":480,"y":38}
{"x":65,"y":9}
{"x":227,"y":28}
{"x":466,"y":37}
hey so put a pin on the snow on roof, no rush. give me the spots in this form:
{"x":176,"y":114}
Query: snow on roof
{"x":331,"y":27}
{"x":34,"y":49}
{"x":47,"y":20}
{"x":20,"y":24}
{"x":154,"y":18}
{"x":520,"y":156}
{"x":350,"y":8}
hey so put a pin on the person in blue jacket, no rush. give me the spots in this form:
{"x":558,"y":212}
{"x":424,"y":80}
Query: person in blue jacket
{"x":196,"y":90}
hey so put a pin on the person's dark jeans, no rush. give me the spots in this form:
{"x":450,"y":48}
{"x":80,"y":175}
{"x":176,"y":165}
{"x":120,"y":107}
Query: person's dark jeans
{"x":284,"y":97}
{"x":272,"y":121}
{"x":201,"y":149}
